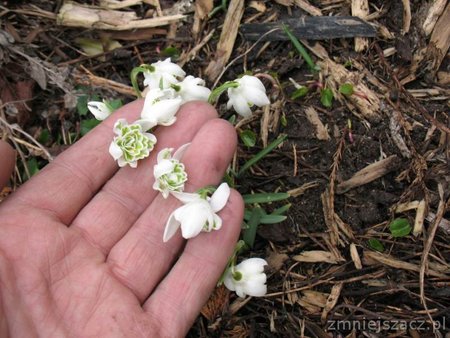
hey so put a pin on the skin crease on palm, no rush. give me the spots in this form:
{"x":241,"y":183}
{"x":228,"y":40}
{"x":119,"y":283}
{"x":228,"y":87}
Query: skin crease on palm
{"x":81,"y":250}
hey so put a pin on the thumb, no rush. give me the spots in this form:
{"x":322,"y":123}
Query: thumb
{"x":7,"y":162}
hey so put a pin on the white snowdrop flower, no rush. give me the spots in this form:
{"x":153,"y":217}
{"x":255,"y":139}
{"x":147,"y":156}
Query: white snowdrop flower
{"x":160,"y":107}
{"x":192,"y":88}
{"x":247,"y":278}
{"x":131,"y":144}
{"x":100,"y":110}
{"x":163,"y":74}
{"x":197,"y":214}
{"x":250,"y":91}
{"x":169,"y":172}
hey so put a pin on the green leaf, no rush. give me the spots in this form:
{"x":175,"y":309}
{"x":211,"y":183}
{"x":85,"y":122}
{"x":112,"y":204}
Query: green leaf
{"x":265,"y":197}
{"x":375,"y":244}
{"x":82,"y":108}
{"x":301,"y":50}
{"x":346,"y":89}
{"x":33,"y":166}
{"x":232,"y":119}
{"x":248,"y":137}
{"x":113,"y":105}
{"x":87,"y":125}
{"x":400,"y":227}
{"x":299,"y":92}
{"x":44,"y":136}
{"x":326,"y":97}
{"x":283,"y":120}
{"x":262,"y":154}
{"x":281,"y":210}
{"x":250,"y":233}
{"x":171,"y":51}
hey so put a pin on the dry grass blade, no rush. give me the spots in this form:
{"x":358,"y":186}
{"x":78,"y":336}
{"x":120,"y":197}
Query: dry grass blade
{"x":315,"y":256}
{"x":371,"y":257}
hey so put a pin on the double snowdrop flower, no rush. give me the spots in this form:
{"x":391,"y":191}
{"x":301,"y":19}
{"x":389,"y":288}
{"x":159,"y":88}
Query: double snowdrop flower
{"x":247,"y":278}
{"x":100,"y":110}
{"x":131,"y":143}
{"x":248,"y":92}
{"x":163,"y":74}
{"x":169,"y":172}
{"x":197,"y":214}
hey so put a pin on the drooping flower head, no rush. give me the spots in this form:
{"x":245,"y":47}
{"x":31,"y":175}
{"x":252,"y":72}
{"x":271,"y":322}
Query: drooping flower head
{"x":192,"y":88}
{"x":131,"y":144}
{"x":169,"y":172}
{"x":100,"y":110}
{"x":247,"y":278}
{"x":249,"y":91}
{"x":197,"y":214}
{"x":163,"y":74}
{"x":160,"y":107}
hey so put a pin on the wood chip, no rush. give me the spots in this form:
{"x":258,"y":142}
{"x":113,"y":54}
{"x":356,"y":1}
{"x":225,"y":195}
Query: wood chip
{"x":406,"y":16}
{"x":370,"y":173}
{"x":420,"y":218}
{"x":331,"y":301}
{"x":355,"y":256}
{"x":227,"y":39}
{"x":440,"y":39}
{"x":434,"y":12}
{"x":360,"y":8}
{"x":314,"y":119}
{"x":316,"y":256}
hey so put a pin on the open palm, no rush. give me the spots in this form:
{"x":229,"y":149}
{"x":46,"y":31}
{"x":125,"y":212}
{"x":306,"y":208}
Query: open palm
{"x":81,"y":250}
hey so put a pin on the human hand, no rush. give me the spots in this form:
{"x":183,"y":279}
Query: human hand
{"x":81,"y":250}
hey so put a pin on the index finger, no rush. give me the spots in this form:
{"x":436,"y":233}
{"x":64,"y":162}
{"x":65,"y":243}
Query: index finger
{"x":76,"y":174}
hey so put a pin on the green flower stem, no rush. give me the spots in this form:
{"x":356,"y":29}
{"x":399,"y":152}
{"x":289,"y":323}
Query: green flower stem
{"x":134,"y":74}
{"x":240,"y":245}
{"x":214,"y":96}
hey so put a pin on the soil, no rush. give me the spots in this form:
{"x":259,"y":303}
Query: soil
{"x":294,"y":305}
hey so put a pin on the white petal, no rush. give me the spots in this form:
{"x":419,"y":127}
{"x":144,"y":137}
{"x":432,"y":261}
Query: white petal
{"x":252,"y":81}
{"x":117,"y":126}
{"x":99,"y":109}
{"x":256,"y":96}
{"x":241,"y":106}
{"x":240,"y":291}
{"x":229,"y":281}
{"x":165,"y":110}
{"x":180,"y":151}
{"x":146,"y":124}
{"x":251,"y":266}
{"x":172,"y":226}
{"x":162,"y":168}
{"x":186,"y":197}
{"x":115,"y":150}
{"x":164,"y":154}
{"x":256,"y":287}
{"x":151,"y":137}
{"x":217,"y":222}
{"x":192,"y":217}
{"x":220,"y":197}
{"x":121,"y":162}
